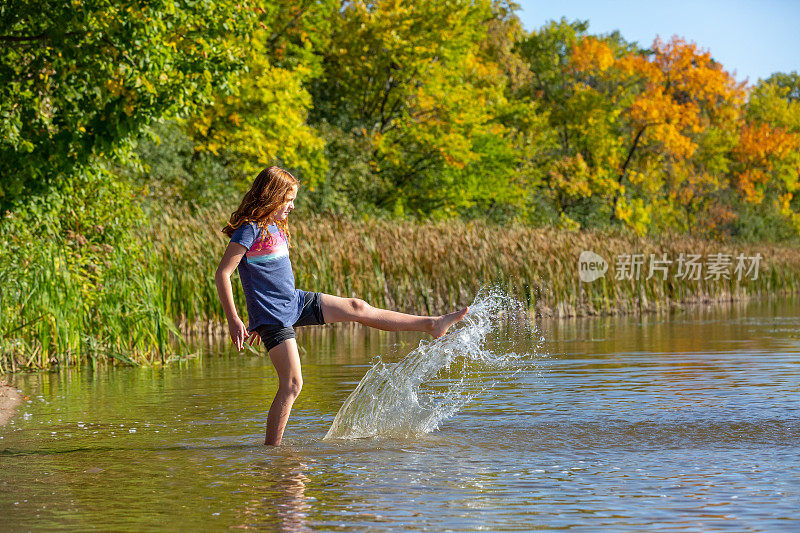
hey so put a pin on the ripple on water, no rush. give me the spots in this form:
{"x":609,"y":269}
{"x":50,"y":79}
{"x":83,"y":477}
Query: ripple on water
{"x":625,"y":424}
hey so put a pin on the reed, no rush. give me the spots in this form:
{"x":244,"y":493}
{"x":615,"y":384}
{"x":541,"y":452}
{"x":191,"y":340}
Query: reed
{"x":135,"y":308}
{"x":435,"y":267}
{"x":60,"y":309}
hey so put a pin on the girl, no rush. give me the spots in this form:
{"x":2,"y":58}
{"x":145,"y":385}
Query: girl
{"x":259,"y":248}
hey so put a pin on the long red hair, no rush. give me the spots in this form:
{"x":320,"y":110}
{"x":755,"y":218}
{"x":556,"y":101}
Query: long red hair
{"x":266,"y":195}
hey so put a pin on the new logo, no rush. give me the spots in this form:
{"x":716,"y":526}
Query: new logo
{"x":591,"y":266}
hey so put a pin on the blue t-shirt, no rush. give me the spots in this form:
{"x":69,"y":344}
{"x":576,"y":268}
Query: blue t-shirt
{"x":267,"y":278}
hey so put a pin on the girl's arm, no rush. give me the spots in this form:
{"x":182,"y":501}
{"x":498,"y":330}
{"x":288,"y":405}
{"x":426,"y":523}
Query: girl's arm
{"x":222,"y":277}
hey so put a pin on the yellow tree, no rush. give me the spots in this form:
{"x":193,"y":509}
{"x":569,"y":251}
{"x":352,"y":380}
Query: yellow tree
{"x":678,"y":121}
{"x":581,"y":144}
{"x":682,"y":125}
{"x":265,"y":121}
{"x":766,"y":158}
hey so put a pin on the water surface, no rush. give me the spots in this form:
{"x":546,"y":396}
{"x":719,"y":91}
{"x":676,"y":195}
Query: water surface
{"x":688,"y":422}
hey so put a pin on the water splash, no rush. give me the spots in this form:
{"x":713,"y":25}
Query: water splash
{"x":433,"y":382}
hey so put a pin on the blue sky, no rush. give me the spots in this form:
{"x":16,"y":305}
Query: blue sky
{"x":753,"y":37}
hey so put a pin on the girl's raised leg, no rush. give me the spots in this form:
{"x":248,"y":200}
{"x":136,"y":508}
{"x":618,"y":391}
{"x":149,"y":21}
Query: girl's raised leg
{"x":336,"y":309}
{"x":286,"y":360}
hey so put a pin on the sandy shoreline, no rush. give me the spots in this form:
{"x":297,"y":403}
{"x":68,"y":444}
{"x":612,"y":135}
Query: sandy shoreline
{"x":9,"y":400}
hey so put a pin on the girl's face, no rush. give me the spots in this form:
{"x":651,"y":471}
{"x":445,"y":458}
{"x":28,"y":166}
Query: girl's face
{"x":288,"y":205}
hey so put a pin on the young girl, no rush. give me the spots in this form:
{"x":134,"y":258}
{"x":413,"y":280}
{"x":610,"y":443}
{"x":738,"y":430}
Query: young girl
{"x":259,"y":247}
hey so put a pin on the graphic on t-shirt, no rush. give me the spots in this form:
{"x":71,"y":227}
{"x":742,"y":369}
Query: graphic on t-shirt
{"x":264,"y":251}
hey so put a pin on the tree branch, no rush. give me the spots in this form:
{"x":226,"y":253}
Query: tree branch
{"x":630,"y":152}
{"x":40,"y":37}
{"x":276,"y":35}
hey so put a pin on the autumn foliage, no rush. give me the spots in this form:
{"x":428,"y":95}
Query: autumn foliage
{"x":424,"y":109}
{"x":410,"y":111}
{"x":687,"y":143}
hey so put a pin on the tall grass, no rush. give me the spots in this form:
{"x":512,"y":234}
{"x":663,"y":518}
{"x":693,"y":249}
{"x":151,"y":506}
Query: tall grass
{"x":435,"y":267}
{"x":62,"y":304}
{"x":58,"y":308}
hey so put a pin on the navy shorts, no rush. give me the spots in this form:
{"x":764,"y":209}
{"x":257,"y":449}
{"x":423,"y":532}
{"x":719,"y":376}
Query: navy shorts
{"x":273,"y":335}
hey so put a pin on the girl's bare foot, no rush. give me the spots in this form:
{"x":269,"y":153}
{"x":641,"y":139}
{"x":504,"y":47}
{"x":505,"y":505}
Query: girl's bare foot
{"x":443,"y":323}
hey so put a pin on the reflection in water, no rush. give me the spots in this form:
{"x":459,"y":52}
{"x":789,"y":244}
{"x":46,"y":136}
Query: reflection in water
{"x":689,"y":421}
{"x":277,"y":495}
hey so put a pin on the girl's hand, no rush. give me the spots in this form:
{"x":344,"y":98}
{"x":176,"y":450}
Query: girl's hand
{"x":255,"y":338}
{"x":239,"y":333}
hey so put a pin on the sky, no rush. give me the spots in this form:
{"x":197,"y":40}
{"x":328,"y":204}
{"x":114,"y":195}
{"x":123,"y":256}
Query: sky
{"x":754,"y":38}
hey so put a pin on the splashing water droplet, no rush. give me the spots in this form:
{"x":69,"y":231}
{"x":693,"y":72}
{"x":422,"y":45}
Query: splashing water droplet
{"x":434,"y":381}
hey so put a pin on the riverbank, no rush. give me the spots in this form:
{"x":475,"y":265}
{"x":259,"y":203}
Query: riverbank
{"x":10,"y":399}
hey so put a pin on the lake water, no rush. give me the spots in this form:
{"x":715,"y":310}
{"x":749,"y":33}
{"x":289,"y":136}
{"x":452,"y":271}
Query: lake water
{"x":689,"y":422}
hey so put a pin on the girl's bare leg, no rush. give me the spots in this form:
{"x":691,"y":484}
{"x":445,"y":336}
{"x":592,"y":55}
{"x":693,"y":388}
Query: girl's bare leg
{"x":286,"y":360}
{"x":336,"y":309}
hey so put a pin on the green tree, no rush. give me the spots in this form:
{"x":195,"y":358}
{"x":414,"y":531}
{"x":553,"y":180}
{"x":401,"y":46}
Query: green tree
{"x":80,"y":79}
{"x":412,"y":87}
{"x":265,"y":121}
{"x":790,"y":81}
